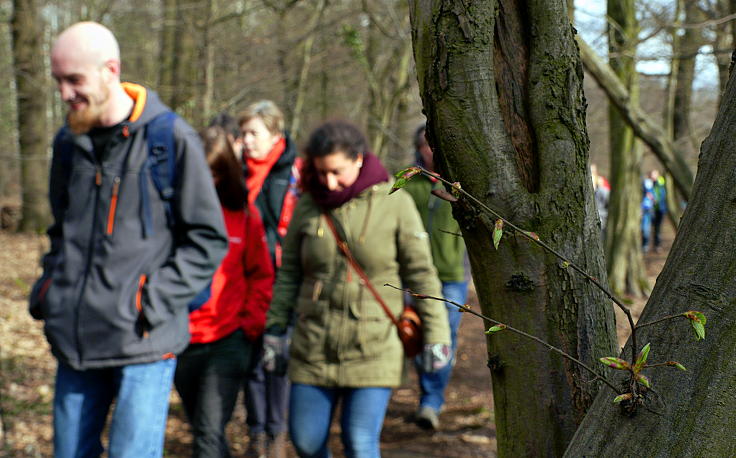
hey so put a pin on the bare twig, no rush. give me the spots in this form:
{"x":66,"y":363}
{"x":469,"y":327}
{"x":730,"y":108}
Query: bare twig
{"x":466,"y":309}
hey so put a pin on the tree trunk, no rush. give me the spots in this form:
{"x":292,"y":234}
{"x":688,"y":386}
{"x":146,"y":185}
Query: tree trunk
{"x":644,"y":127}
{"x":501,"y":86}
{"x":626,"y":273}
{"x":167,"y":58}
{"x":673,"y":205}
{"x":30,"y":83}
{"x":692,"y":413}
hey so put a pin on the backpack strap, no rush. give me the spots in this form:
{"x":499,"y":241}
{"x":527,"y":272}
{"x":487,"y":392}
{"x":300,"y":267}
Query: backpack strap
{"x":287,"y":207}
{"x":161,"y":164}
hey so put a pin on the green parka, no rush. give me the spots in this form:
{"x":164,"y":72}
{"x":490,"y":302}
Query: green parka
{"x":342,"y":336}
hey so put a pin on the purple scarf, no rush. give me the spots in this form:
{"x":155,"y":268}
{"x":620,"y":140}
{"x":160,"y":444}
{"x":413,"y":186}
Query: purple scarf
{"x":372,"y":172}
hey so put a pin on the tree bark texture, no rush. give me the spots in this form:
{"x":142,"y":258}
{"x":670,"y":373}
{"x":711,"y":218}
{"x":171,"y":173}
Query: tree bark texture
{"x":692,"y":413}
{"x":30,"y":83}
{"x":625,"y":264}
{"x":644,"y":127}
{"x":501,"y":86}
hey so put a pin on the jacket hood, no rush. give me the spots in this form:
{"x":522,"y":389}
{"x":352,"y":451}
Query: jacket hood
{"x":146,"y":105}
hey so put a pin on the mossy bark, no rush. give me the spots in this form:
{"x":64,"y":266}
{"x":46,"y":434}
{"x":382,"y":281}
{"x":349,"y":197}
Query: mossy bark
{"x":30,"y":83}
{"x":692,"y":414}
{"x":501,"y":84}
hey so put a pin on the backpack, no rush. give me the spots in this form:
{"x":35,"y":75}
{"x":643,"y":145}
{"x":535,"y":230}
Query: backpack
{"x":161,"y":162}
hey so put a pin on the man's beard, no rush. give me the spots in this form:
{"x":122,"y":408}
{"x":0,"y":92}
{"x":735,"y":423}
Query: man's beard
{"x":82,"y":121}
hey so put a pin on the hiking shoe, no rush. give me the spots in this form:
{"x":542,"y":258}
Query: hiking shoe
{"x":426,"y":418}
{"x":257,"y":446}
{"x":277,"y":446}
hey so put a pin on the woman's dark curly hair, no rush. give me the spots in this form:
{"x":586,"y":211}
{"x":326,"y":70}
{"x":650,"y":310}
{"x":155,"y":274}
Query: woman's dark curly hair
{"x":329,"y":138}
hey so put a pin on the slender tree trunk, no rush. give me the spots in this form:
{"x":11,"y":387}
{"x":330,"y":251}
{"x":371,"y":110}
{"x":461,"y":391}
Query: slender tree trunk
{"x":723,"y":43}
{"x":673,"y":200}
{"x":167,"y":57}
{"x":626,"y":273}
{"x":501,"y":86}
{"x":30,"y":83}
{"x":691,"y":413}
{"x":303,"y":76}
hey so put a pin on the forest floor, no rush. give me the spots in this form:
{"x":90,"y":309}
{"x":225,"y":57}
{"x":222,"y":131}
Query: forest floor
{"x":27,"y":374}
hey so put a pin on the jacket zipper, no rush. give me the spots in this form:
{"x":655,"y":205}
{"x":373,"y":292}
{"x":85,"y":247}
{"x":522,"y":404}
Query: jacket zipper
{"x":90,"y":247}
{"x":113,"y":205}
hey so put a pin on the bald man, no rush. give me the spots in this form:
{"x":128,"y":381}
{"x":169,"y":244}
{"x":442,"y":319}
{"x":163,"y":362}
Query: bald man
{"x":125,"y":258}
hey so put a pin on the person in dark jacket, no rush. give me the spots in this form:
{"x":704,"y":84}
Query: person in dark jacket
{"x":224,"y":329}
{"x":448,"y":256}
{"x":271,"y":169}
{"x":115,"y":284}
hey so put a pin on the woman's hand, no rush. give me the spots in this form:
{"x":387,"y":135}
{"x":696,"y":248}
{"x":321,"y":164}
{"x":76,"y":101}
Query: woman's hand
{"x":435,"y":357}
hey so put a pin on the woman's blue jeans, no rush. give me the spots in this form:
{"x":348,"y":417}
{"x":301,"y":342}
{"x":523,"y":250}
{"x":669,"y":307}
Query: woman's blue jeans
{"x":83,"y":398}
{"x":310,"y":414}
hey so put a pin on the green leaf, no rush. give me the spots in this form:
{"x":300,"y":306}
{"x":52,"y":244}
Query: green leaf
{"x":641,"y":359}
{"x":695,"y":316}
{"x":677,"y":365}
{"x":398,"y":184}
{"x":615,"y":363}
{"x":496,"y":328}
{"x":697,"y":321}
{"x":564,"y":264}
{"x":622,"y":397}
{"x":408,"y":172}
{"x":699,"y":330}
{"x":497,"y":232}
{"x":643,"y":380}
{"x":456,"y":189}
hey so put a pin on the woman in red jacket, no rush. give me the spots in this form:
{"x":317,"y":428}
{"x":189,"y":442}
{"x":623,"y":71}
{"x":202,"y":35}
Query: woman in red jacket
{"x":211,"y":369}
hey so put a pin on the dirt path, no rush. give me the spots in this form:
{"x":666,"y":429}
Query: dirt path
{"x":27,"y":371}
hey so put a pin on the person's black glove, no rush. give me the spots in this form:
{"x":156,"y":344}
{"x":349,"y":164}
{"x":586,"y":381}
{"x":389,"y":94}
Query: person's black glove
{"x":276,"y":351}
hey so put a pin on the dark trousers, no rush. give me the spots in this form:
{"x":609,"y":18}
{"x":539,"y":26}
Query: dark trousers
{"x":208,"y":378}
{"x":266,"y":398}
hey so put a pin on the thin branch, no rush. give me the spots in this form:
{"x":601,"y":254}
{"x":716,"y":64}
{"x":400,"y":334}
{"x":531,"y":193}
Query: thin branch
{"x":466,"y":309}
{"x":668,"y":317}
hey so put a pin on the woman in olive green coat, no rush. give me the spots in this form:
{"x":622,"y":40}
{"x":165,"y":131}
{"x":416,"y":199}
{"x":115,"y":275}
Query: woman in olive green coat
{"x":344,"y":346}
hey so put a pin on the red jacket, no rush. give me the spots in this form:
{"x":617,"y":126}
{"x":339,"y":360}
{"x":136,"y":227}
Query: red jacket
{"x":242,"y":285}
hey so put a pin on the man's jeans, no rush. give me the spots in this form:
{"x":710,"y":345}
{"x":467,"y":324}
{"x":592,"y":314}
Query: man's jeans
{"x":82,"y":401}
{"x":310,"y":414}
{"x":433,"y":385}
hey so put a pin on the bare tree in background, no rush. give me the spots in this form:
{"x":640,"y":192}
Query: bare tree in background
{"x":30,"y":83}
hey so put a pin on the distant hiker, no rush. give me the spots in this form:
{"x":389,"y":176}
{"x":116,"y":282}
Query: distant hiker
{"x":653,"y":209}
{"x":601,"y":193}
{"x":448,"y":255}
{"x":137,"y":233}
